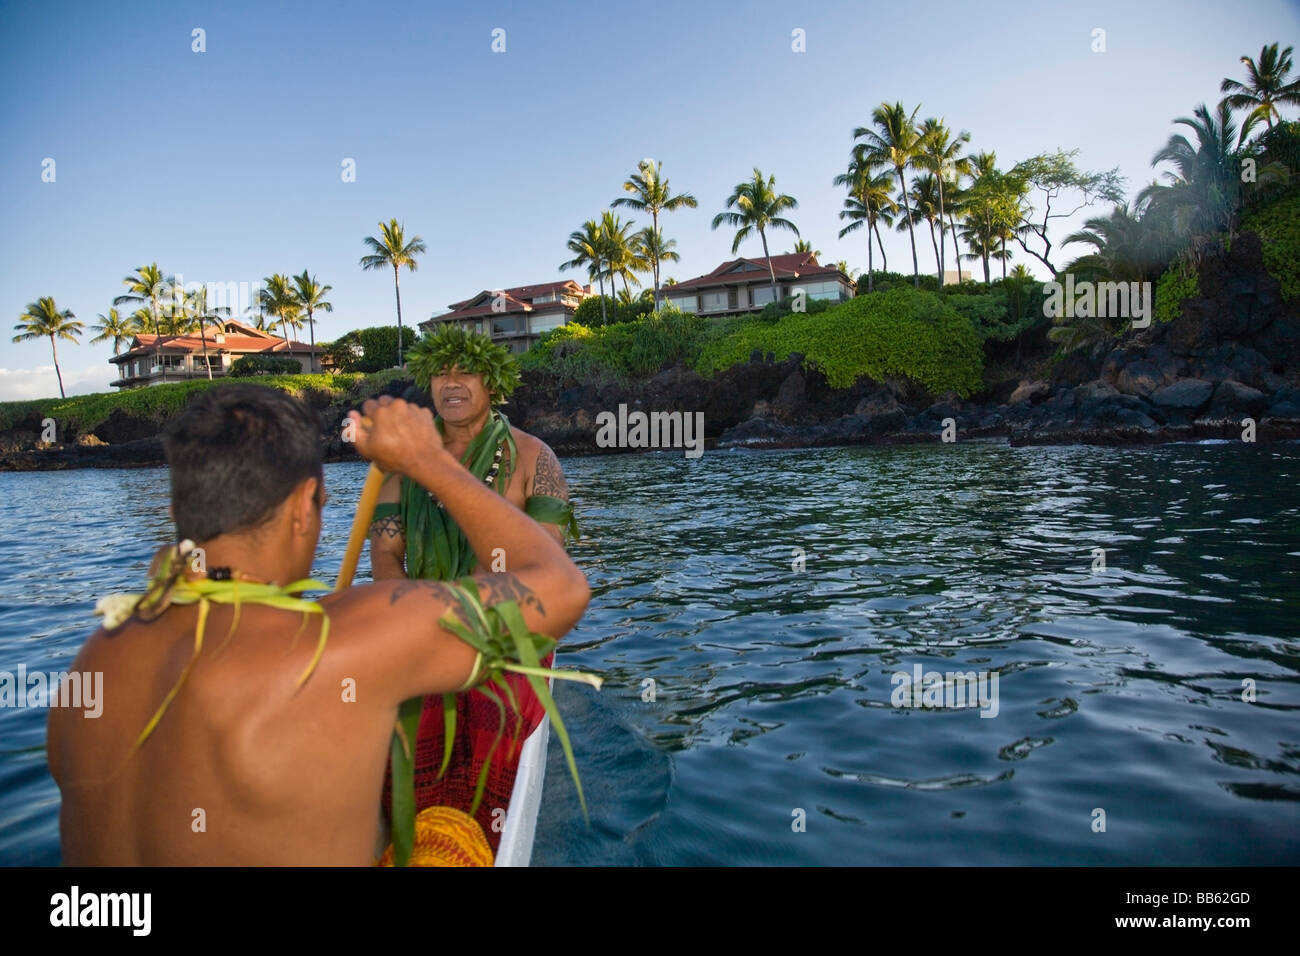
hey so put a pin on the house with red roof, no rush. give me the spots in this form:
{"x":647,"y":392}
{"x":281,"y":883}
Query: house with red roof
{"x":515,"y":317}
{"x":153,"y":359}
{"x":744,"y":285}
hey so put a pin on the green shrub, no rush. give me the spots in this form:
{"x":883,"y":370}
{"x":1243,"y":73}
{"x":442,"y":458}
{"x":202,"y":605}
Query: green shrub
{"x":369,"y":350}
{"x":900,"y":332}
{"x":621,"y":351}
{"x":775,"y":311}
{"x":248,"y":365}
{"x":588,"y":312}
{"x":1177,"y":283}
{"x":81,"y":414}
{"x":884,"y":281}
{"x":1278,"y":225}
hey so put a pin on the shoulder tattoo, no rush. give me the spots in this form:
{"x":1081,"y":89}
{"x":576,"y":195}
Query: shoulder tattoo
{"x":493,"y":589}
{"x":548,"y":478}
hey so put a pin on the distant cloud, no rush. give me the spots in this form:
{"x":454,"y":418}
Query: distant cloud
{"x":20,"y":384}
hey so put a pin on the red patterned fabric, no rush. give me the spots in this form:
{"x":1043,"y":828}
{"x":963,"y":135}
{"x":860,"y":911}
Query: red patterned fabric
{"x":477,"y":720}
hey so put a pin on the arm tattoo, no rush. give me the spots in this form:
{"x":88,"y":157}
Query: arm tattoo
{"x":493,"y":589}
{"x":548,"y":478}
{"x":389,"y":526}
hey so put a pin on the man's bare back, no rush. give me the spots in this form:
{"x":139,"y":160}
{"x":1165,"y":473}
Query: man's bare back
{"x":247,"y":767}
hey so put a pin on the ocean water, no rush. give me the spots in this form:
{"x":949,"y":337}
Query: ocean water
{"x":753,"y":612}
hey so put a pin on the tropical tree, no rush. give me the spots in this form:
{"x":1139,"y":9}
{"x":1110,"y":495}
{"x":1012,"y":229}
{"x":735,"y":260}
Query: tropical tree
{"x":43,"y":319}
{"x":756,"y":205}
{"x":393,"y":249}
{"x":870,"y":202}
{"x":1128,"y":246}
{"x":1204,"y":191}
{"x":311,"y":298}
{"x":147,"y":286}
{"x":279,"y":300}
{"x":652,"y":249}
{"x":618,"y":249}
{"x":650,"y":193}
{"x":894,"y":142}
{"x":940,"y":152}
{"x":992,"y":209}
{"x":1266,"y":85}
{"x":587,"y":247}
{"x":924,"y":198}
{"x":203,"y":314}
{"x":116,"y":327}
{"x":1055,"y":175}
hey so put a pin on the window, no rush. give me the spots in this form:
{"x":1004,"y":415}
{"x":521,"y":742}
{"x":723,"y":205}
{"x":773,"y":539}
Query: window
{"x":687,"y":303}
{"x":713,"y":301}
{"x":822,"y":290}
{"x":214,"y":361}
{"x":171,"y":361}
{"x":511,"y":326}
{"x":760,"y":295}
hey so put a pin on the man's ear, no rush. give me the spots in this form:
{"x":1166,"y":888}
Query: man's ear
{"x":303,"y":507}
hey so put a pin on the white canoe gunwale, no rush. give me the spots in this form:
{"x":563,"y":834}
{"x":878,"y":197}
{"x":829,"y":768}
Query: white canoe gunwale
{"x":520,"y":830}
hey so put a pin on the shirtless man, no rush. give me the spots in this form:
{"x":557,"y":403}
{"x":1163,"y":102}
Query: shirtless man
{"x":281,"y":774}
{"x":410,"y":538}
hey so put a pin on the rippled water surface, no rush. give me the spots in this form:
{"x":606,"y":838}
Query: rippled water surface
{"x":1119,"y":689}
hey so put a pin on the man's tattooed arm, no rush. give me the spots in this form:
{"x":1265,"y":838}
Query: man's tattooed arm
{"x":493,"y":589}
{"x":548,"y":478}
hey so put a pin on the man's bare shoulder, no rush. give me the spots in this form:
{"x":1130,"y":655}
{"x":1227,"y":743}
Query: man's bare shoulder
{"x":542,"y":465}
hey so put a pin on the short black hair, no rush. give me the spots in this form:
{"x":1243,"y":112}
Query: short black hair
{"x":236,"y":453}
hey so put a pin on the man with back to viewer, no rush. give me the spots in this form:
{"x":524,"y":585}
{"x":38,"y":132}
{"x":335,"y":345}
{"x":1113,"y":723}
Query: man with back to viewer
{"x":282,"y":773}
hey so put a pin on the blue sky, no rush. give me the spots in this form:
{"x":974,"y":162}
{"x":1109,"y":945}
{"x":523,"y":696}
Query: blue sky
{"x":225,"y":165}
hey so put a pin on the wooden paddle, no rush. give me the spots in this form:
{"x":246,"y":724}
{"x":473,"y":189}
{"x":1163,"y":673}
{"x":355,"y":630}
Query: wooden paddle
{"x":360,"y":526}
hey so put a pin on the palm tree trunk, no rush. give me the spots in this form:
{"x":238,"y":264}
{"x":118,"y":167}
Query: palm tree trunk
{"x":1004,"y":258}
{"x":604,"y":318}
{"x":907,"y":207}
{"x":770,"y":271}
{"x":936,"y":253}
{"x":203,"y":334}
{"x":311,"y":330}
{"x":884,"y":259}
{"x":956,"y":249}
{"x":871,"y":278}
{"x":397,"y":290}
{"x":654,"y":256}
{"x":54,"y":349}
{"x":942,"y":245}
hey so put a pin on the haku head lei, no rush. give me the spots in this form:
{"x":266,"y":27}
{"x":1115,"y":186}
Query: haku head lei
{"x":452,"y":346}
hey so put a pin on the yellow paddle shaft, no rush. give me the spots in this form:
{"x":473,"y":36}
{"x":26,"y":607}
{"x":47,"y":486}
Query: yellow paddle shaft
{"x":360,"y":526}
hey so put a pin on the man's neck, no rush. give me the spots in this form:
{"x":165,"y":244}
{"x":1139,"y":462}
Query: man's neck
{"x":257,"y":560}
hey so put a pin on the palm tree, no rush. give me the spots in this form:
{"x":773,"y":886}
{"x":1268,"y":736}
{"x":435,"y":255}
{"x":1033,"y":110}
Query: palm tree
{"x":870,"y":201}
{"x":1266,"y":84}
{"x":803,"y":245}
{"x":587,"y":247}
{"x":757,"y":205}
{"x":311,"y":296}
{"x":393,"y":250}
{"x":197,"y":303}
{"x":1204,"y":191}
{"x":651,"y":248}
{"x":618,"y":251}
{"x":44,"y":320}
{"x":925,"y":200}
{"x":279,"y":300}
{"x":650,"y":193}
{"x":992,"y":210}
{"x":114,"y":326}
{"x":147,"y":285}
{"x":894,"y":142}
{"x":941,"y":154}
